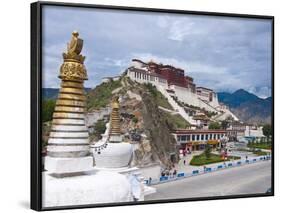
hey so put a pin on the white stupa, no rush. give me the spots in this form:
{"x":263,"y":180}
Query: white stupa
{"x":111,"y":153}
{"x":70,"y":178}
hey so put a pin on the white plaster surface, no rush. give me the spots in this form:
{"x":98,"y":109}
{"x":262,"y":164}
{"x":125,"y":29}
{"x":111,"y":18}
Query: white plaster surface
{"x":68,"y":141}
{"x":115,"y":155}
{"x":176,"y":106}
{"x":71,"y":128}
{"x":97,"y":187}
{"x":68,"y":165}
{"x":68,"y":121}
{"x":69,"y":134}
{"x":64,"y":148}
{"x":122,"y":170}
{"x":225,"y":115}
{"x":253,"y":132}
{"x":115,"y":138}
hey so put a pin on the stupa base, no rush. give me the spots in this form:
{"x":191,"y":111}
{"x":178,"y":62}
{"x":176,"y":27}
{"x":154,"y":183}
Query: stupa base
{"x":96,"y":187}
{"x":68,"y":165}
{"x":115,"y":138}
{"x":121,"y":170}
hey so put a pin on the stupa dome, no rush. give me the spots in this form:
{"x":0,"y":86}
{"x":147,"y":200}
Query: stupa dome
{"x":115,"y":155}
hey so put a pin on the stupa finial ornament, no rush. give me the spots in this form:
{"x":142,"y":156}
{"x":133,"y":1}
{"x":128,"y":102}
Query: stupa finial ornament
{"x":73,"y":67}
{"x":115,"y":103}
{"x":76,"y":44}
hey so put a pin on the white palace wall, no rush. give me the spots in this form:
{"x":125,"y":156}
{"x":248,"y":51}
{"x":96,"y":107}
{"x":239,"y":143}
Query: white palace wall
{"x":188,"y":97}
{"x":146,"y":78}
{"x":183,"y":94}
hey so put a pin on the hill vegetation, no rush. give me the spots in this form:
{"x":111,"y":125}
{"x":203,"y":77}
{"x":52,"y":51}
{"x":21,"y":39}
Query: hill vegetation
{"x":175,"y":121}
{"x":48,"y":107}
{"x":158,"y":97}
{"x":142,"y":120}
{"x":101,"y":95}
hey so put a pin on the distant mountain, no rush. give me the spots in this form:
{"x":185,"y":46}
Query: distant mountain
{"x":52,"y":93}
{"x":247,"y":106}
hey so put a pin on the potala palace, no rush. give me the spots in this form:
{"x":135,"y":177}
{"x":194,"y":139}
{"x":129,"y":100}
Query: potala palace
{"x":178,"y":87}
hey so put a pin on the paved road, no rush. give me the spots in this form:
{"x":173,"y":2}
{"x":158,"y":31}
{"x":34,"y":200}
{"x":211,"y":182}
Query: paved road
{"x":248,"y":179}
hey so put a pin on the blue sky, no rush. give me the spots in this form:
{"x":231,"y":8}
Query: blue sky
{"x":221,"y":53}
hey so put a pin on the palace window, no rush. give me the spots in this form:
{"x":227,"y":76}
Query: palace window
{"x":202,"y":137}
{"x":193,"y":137}
{"x":207,"y":137}
{"x":183,"y":138}
{"x":198,"y":137}
{"x":188,"y":137}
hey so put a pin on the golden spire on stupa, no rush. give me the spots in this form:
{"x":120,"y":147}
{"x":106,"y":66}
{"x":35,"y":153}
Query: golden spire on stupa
{"x":115,"y":117}
{"x":69,"y":137}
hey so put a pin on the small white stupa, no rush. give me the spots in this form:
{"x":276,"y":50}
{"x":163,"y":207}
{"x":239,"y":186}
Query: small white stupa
{"x":70,"y":178}
{"x":111,"y":153}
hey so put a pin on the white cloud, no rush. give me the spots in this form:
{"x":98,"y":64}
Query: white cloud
{"x":177,"y":27}
{"x":262,"y":92}
{"x":219,"y":52}
{"x":179,"y":30}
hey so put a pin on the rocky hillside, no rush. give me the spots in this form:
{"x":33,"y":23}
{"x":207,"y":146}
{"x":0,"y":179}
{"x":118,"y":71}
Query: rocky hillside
{"x":143,"y":122}
{"x":247,"y":106}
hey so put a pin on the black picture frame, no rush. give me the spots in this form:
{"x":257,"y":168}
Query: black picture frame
{"x":36,"y":82}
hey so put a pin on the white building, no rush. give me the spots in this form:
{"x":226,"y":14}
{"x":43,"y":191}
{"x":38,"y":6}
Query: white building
{"x":254,"y":132}
{"x":203,"y":97}
{"x":143,"y":76}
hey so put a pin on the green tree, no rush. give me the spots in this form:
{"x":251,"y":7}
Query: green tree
{"x":224,"y":124}
{"x":214,"y":125}
{"x":135,"y":120}
{"x":207,"y":151}
{"x":230,"y":118}
{"x":48,"y":107}
{"x":267,"y":131}
{"x":99,"y":127}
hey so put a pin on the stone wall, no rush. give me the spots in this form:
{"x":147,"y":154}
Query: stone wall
{"x":92,"y":117}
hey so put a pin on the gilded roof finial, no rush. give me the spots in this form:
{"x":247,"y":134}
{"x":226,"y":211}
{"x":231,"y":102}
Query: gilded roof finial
{"x":73,"y":67}
{"x":74,"y":48}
